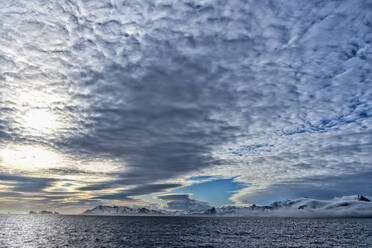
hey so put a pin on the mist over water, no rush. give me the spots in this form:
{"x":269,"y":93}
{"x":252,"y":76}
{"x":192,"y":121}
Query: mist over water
{"x":136,"y":231}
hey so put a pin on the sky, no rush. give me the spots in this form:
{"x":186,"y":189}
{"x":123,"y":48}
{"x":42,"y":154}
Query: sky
{"x":183,"y":104}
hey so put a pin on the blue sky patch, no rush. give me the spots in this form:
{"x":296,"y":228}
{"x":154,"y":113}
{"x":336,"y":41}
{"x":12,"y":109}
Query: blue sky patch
{"x":216,"y":192}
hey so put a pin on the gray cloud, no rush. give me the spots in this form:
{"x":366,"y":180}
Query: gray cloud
{"x":259,"y":90}
{"x":172,"y":197}
{"x":184,"y":202}
{"x":136,"y":191}
{"x":320,"y":187}
{"x":27,"y":184}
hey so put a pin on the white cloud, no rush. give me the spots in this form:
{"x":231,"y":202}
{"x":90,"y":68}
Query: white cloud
{"x":268,"y":91}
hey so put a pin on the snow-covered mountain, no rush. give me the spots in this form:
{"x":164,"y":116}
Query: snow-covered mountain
{"x":347,"y":206}
{"x":121,"y":210}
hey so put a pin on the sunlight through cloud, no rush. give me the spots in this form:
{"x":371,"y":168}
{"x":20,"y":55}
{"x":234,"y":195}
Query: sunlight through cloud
{"x":41,"y":121}
{"x":29,"y":158}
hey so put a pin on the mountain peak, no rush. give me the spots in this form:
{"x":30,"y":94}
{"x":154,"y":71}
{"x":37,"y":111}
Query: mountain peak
{"x":121,"y":210}
{"x":363,"y":198}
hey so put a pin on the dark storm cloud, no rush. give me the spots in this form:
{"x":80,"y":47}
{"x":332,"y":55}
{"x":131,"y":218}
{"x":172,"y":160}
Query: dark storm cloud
{"x":260,"y":89}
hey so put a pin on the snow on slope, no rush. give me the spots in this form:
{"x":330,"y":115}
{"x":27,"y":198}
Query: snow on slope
{"x":120,"y":210}
{"x":347,"y":206}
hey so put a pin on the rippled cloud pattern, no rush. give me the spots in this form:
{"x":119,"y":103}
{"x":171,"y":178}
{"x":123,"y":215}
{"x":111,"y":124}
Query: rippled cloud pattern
{"x":115,"y":100}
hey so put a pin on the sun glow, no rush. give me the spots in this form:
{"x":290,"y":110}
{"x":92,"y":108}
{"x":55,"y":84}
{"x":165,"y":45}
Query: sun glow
{"x":29,"y":158}
{"x":41,"y":121}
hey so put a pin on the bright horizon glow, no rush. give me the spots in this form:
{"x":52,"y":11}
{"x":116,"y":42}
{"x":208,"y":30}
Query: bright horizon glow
{"x":29,"y":158}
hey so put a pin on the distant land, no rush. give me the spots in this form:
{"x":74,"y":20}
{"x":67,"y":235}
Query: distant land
{"x":123,"y":210}
{"x":43,"y":212}
{"x":347,"y":206}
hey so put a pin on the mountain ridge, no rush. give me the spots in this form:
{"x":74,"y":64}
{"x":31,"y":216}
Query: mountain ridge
{"x":346,"y":206}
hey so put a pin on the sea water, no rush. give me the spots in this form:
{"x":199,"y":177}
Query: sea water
{"x":152,"y":231}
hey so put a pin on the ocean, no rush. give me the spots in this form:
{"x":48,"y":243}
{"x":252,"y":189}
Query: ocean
{"x":152,"y":231}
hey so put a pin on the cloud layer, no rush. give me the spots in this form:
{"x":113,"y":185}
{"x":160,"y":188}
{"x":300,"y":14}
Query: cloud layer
{"x":132,"y":97}
{"x":183,"y":202}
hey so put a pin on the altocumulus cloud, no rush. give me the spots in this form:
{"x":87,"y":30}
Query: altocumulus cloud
{"x":270,"y":93}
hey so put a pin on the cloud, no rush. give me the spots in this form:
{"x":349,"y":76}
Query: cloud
{"x":319,"y":187}
{"x":183,"y":202}
{"x":174,"y":197}
{"x":136,"y":191}
{"x":265,"y":92}
{"x":27,"y":184}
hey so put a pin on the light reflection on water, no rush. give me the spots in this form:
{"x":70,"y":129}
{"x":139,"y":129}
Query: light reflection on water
{"x":105,"y":231}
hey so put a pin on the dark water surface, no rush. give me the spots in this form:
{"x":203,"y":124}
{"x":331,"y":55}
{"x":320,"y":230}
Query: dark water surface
{"x":131,"y":231}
